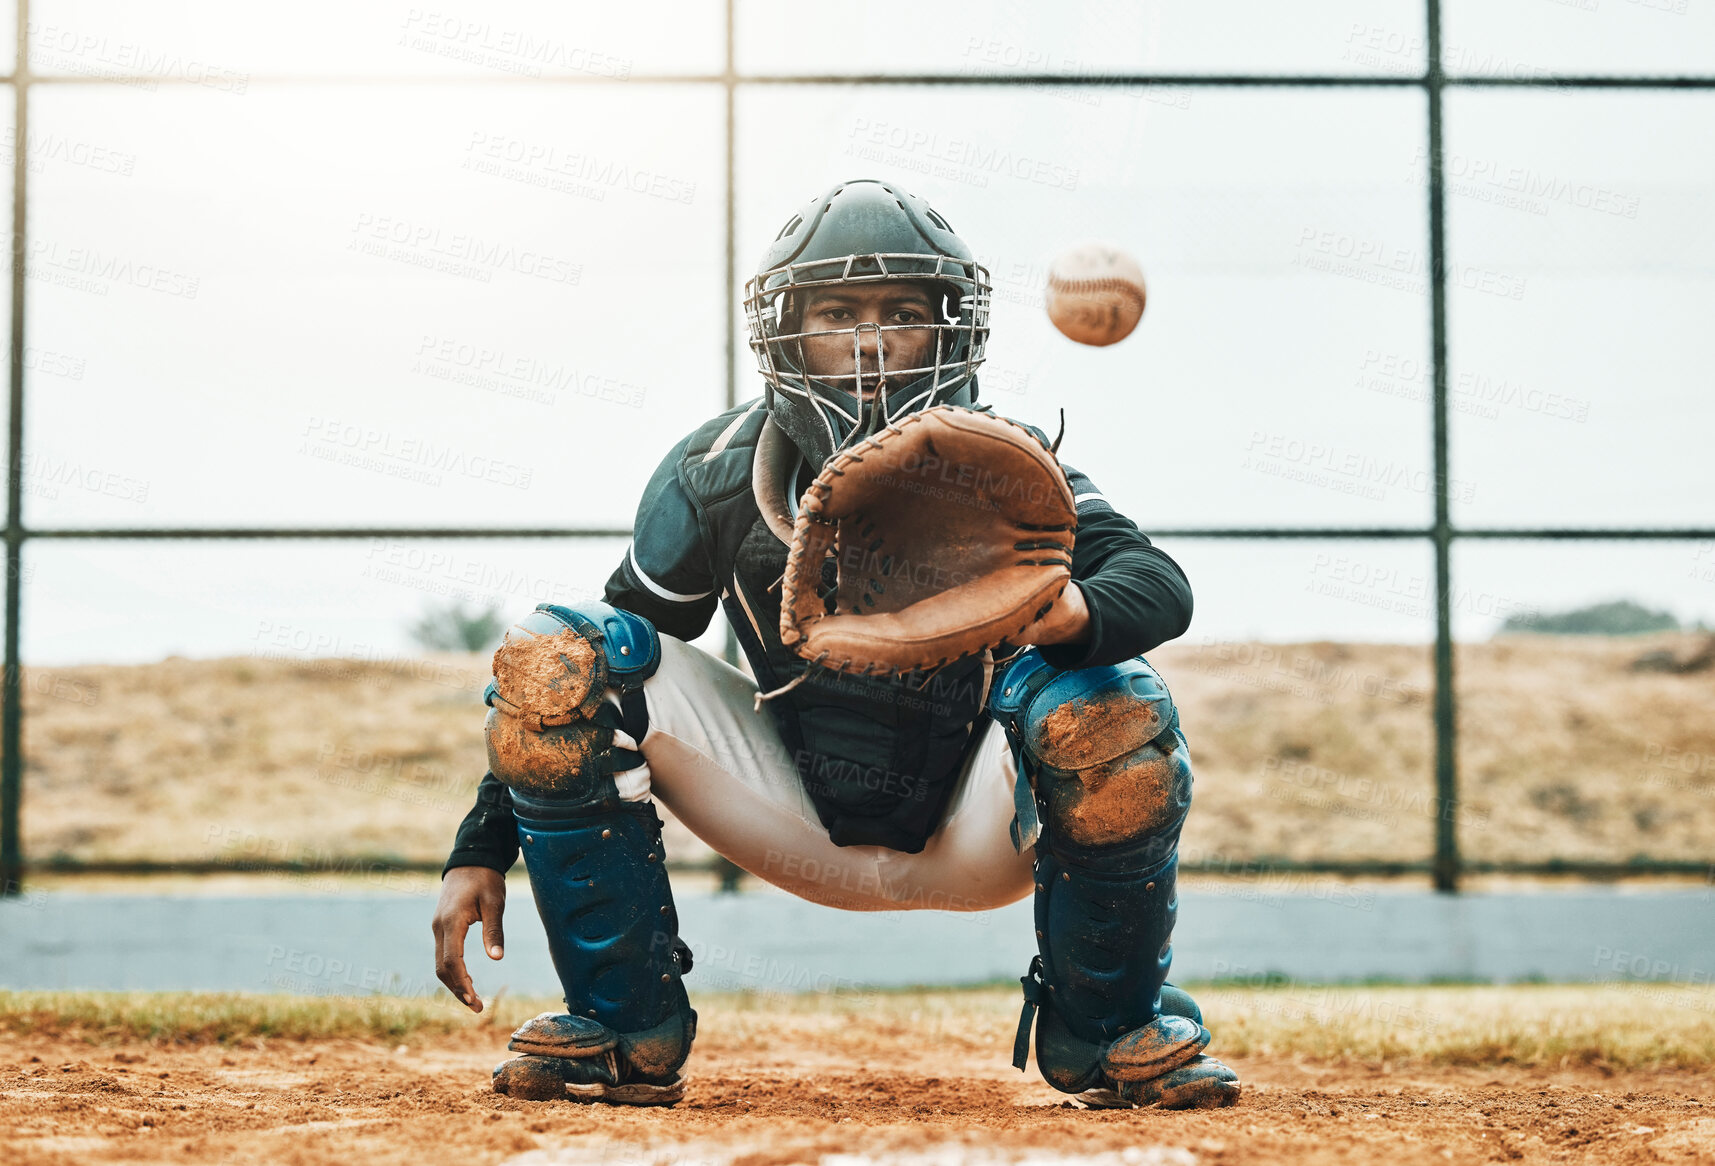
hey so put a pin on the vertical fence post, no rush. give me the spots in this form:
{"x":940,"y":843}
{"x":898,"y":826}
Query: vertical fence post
{"x":11,"y":680}
{"x":1446,"y":759}
{"x":729,"y":88}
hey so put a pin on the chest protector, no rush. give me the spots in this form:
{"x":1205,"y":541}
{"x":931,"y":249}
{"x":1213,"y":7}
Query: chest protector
{"x":877,"y":757}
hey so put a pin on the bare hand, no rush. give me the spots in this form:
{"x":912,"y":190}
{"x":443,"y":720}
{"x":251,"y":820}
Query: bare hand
{"x":1067,"y":622}
{"x":469,"y":894}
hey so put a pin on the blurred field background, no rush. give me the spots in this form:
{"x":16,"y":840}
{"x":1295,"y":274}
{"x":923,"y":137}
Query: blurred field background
{"x":447,"y":288}
{"x":1580,"y":748}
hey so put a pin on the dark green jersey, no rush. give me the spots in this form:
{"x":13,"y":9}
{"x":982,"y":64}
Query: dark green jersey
{"x":877,"y":757}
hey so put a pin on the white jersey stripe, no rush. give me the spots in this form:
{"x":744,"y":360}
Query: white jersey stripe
{"x":1083,"y":498}
{"x":727,"y":434}
{"x":656,"y":588}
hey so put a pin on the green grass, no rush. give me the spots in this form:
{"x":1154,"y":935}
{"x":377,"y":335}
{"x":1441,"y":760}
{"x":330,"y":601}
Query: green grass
{"x":225,"y":1018}
{"x":1535,"y":1026}
{"x":1627,"y":1026}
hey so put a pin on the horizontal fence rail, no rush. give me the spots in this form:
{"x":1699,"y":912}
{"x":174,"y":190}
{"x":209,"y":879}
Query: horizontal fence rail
{"x":940,"y":80}
{"x":1445,"y":867}
{"x":1261,"y":867}
{"x":1674,"y":534}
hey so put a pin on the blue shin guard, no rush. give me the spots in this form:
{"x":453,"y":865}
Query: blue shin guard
{"x":601,"y":889}
{"x":596,"y":862}
{"x":1103,"y":789}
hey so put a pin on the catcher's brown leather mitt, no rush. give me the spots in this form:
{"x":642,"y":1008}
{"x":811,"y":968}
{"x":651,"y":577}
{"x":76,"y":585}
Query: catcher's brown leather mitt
{"x":951,"y":532}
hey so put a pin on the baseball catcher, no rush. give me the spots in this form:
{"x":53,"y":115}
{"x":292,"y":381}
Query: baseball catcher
{"x":950,"y":708}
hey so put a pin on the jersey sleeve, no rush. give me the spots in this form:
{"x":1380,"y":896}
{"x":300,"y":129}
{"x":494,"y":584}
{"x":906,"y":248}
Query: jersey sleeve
{"x":1138,"y":597}
{"x":667,"y":576}
{"x":488,"y":836}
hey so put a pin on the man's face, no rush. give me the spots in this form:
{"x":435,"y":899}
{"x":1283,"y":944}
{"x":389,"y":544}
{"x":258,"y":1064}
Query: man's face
{"x":835,"y":313}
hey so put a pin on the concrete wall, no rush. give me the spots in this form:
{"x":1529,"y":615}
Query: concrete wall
{"x":770,"y":942}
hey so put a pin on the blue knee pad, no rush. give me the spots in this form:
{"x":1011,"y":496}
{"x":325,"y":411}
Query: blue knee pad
{"x":1104,"y":783}
{"x":1088,"y":737}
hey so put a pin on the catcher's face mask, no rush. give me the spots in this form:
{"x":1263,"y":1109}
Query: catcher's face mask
{"x":916,"y":325}
{"x":853,"y":337}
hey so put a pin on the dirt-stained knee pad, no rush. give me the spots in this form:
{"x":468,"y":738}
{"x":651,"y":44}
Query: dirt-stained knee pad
{"x":548,"y":684}
{"x":1113,"y":768}
{"x":547,"y":679}
{"x":558,"y":759}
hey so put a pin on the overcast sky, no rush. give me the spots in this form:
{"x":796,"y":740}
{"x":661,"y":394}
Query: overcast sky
{"x":432,"y":285}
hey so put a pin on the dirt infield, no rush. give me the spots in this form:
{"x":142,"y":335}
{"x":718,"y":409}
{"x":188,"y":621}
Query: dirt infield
{"x":806,"y":1086}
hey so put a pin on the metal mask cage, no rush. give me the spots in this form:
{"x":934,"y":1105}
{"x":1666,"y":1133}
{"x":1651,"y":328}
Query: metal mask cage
{"x":836,"y":399}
